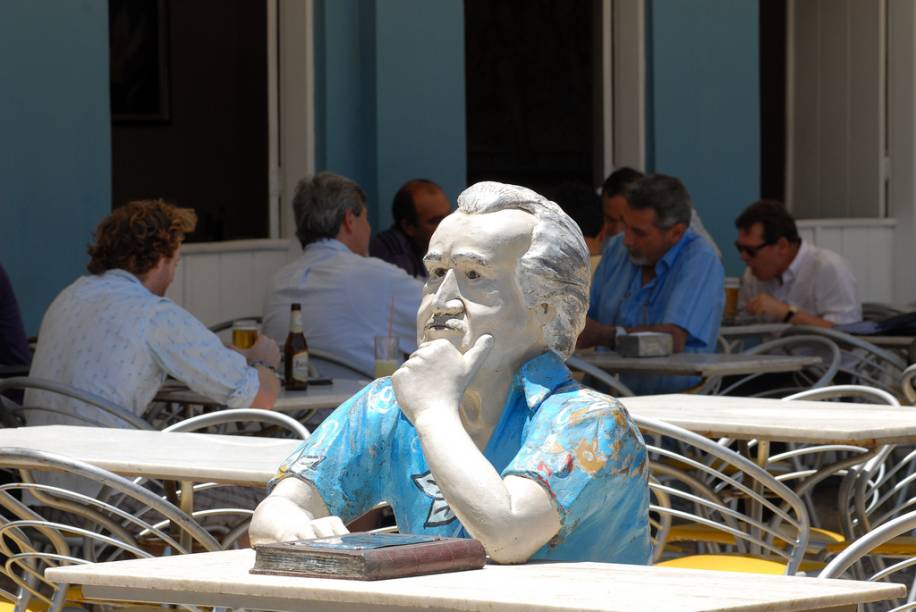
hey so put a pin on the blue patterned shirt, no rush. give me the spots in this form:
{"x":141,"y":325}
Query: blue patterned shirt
{"x":688,"y":291}
{"x":578,"y":444}
{"x":109,"y":335}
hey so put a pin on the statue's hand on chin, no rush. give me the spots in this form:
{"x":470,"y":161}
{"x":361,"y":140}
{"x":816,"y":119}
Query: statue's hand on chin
{"x":435,"y":377}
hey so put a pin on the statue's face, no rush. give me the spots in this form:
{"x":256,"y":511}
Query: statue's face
{"x":472,"y":288}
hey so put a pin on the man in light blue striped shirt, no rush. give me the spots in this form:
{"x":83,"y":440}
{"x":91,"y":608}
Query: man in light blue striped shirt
{"x":113,"y":333}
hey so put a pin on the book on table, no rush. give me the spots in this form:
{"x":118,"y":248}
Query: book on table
{"x":369,"y":556}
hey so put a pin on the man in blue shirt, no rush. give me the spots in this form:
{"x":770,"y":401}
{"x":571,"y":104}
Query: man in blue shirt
{"x":658,"y":275}
{"x":482,"y":433}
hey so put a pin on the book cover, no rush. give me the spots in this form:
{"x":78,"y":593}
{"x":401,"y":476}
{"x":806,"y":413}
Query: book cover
{"x":369,"y":556}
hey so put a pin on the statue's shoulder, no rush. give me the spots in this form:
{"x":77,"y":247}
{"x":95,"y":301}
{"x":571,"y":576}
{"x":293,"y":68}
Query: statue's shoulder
{"x":577,"y":403}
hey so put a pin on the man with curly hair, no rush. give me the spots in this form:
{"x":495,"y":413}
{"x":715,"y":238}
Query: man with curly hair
{"x":113,"y":333}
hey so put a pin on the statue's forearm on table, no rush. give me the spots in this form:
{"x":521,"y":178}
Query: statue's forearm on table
{"x":512,"y":518}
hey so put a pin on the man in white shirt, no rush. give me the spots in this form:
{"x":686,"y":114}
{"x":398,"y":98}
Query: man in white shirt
{"x":788,"y":280}
{"x":347,"y":297}
{"x":113,"y":333}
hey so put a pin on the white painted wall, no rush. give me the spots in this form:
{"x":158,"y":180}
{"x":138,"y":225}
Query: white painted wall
{"x":218,"y":281}
{"x":836,"y":122}
{"x":868,"y":246}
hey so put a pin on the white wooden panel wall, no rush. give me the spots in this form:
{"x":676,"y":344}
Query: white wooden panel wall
{"x":868,"y":246}
{"x":227,"y":280}
{"x":836,"y":112}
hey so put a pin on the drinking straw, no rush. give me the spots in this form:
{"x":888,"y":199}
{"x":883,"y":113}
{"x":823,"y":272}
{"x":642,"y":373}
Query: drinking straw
{"x":390,"y":314}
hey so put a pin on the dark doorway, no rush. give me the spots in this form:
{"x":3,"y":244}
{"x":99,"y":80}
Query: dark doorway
{"x":773,"y":99}
{"x":532,"y":84}
{"x":189,"y":110}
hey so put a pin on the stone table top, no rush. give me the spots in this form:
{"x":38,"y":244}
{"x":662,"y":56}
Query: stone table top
{"x":316,"y":397}
{"x":222,"y":579}
{"x":700,"y":364}
{"x":754,"y":329}
{"x":242,"y":460}
{"x":777,"y":420}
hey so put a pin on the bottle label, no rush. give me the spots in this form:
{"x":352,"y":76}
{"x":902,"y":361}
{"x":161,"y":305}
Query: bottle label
{"x":295,"y":322}
{"x":301,"y":367}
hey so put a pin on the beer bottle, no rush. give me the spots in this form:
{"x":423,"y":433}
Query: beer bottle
{"x":296,"y":352}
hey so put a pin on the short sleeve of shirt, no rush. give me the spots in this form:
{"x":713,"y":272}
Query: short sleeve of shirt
{"x":190,"y":352}
{"x":835,"y":292}
{"x":585,"y":452}
{"x":599,"y":279}
{"x":697,"y":296}
{"x":346,"y":457}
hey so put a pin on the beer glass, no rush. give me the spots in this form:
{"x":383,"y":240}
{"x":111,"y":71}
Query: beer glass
{"x":387,"y":356}
{"x":732,"y":284}
{"x":244,"y":333}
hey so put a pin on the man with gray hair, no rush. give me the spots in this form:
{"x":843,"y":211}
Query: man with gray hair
{"x":346,"y":296}
{"x":482,"y":433}
{"x":658,"y":275}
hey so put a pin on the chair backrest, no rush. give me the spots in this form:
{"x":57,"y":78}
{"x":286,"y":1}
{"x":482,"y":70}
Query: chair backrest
{"x":809,"y":465}
{"x":707,"y":484}
{"x":811,"y":377}
{"x":339,"y":368}
{"x":863,"y":558}
{"x":908,"y":383}
{"x":617,"y":388}
{"x":241,"y":415}
{"x":858,"y":392}
{"x":128,"y":418}
{"x":865,"y":363}
{"x":69,"y":527}
{"x":231,"y":523}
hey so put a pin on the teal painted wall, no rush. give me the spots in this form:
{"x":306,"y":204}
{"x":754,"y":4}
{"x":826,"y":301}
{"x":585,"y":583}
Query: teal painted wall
{"x":55,"y":166}
{"x":390,"y":95}
{"x":703,"y":107}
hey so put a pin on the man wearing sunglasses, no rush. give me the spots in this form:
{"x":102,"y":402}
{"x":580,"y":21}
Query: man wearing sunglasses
{"x":789,"y":280}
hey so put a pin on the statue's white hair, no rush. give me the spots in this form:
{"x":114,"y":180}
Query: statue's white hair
{"x":555,"y":269}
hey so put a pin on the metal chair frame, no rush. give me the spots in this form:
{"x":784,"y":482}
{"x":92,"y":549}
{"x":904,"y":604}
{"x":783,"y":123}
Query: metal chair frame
{"x":618,"y":388}
{"x":28,"y":382}
{"x":715,"y":495}
{"x":861,"y":551}
{"x":783,"y":345}
{"x":108,"y":532}
{"x":864,"y":362}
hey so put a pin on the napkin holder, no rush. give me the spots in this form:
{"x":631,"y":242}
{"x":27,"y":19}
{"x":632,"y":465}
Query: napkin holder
{"x":645,"y":344}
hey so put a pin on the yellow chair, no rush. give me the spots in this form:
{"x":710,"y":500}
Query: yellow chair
{"x":704,"y":488}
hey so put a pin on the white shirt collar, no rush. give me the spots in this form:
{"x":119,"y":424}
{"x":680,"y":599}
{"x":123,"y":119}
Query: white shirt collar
{"x":791,"y":273}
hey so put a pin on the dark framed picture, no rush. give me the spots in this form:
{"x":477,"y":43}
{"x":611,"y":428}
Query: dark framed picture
{"x":139,"y":62}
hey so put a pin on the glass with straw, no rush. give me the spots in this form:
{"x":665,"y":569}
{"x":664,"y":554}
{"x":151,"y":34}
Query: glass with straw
{"x":387,"y":351}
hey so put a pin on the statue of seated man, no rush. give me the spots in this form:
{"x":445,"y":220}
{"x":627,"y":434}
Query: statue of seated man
{"x":482,"y":433}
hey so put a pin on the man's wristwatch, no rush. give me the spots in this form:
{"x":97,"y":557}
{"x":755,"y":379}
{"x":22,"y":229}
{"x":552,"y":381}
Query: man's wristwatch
{"x":263,"y":364}
{"x":790,"y":314}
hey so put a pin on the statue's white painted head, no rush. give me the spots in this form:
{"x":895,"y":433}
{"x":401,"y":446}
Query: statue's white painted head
{"x":509,"y":263}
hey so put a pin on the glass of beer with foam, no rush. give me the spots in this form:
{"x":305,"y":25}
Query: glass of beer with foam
{"x":244,"y":333}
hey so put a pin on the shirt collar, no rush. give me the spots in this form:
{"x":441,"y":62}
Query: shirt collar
{"x":332,"y":244}
{"x":669,"y":258}
{"x":804,"y":251}
{"x":539,"y":377}
{"x":119,"y":273}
